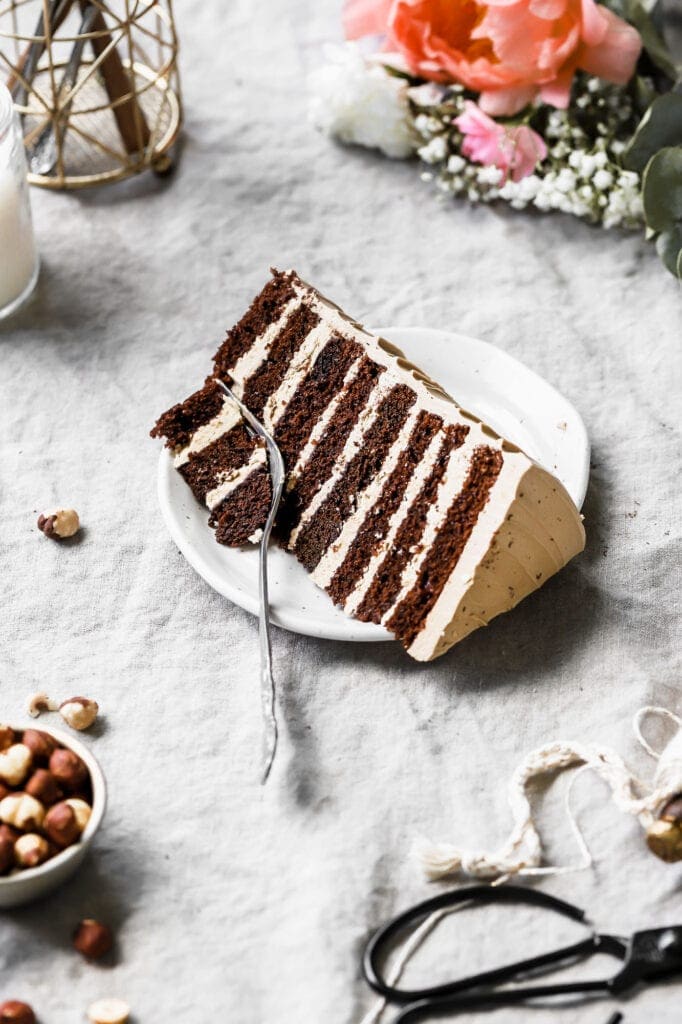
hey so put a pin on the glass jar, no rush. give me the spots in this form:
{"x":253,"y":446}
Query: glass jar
{"x":19,"y":264}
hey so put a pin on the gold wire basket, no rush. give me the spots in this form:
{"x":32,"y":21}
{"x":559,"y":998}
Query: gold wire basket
{"x":96,"y":85}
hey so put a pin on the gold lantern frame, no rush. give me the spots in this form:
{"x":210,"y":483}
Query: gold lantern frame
{"x":96,"y":85}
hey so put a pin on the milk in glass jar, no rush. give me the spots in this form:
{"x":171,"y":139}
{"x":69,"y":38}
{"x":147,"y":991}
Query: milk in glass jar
{"x":18,"y":253}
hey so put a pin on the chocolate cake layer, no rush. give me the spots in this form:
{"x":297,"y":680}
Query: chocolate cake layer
{"x":319,"y":466}
{"x":324,"y":527}
{"x":447,"y":547}
{"x":310,"y":400}
{"x":265,"y":309}
{"x":375,"y":527}
{"x":240,"y":517}
{"x":179,"y":423}
{"x":229,"y":451}
{"x":386,"y":583}
{"x":270,"y":374}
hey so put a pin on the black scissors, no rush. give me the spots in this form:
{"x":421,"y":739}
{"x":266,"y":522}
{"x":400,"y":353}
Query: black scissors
{"x":647,"y":956}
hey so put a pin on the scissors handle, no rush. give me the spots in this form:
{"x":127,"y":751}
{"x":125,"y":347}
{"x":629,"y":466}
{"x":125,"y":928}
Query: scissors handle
{"x":427,"y":1009}
{"x":473,"y":894}
{"x":476,"y":990}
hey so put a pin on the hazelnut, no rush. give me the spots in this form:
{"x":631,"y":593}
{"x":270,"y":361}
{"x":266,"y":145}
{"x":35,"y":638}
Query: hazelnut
{"x":41,"y":744}
{"x":664,"y":837}
{"x":14,"y":1012}
{"x":43,"y":786}
{"x":63,"y":522}
{"x":79,"y":712}
{"x":14,"y":764}
{"x":107,"y":1011}
{"x":22,"y":811}
{"x":68,"y":769}
{"x":61,"y":825}
{"x":30,"y":850}
{"x":93,"y":939}
{"x":665,"y":841}
{"x":6,"y":855}
{"x":672,"y":811}
{"x":6,"y":737}
{"x":40,"y":702}
{"x":82,"y":810}
{"x":7,"y":832}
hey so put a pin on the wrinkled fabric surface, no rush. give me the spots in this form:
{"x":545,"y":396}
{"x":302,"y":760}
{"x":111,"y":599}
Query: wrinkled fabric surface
{"x":234,"y":902}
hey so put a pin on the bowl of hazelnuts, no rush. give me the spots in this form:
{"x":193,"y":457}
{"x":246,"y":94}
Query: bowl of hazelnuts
{"x":52,"y":801}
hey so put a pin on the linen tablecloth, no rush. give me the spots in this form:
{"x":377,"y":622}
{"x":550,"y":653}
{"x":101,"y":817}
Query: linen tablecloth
{"x":234,"y":902}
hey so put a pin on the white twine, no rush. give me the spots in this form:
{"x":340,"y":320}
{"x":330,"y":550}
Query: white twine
{"x":522,"y":852}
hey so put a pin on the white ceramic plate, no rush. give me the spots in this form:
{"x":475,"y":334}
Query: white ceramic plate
{"x":484,"y":380}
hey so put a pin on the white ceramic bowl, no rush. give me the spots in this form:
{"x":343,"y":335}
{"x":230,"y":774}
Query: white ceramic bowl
{"x":32,"y":883}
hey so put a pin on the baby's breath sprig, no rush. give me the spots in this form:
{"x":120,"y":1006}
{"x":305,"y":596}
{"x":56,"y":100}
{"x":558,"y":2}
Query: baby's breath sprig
{"x":582,"y":173}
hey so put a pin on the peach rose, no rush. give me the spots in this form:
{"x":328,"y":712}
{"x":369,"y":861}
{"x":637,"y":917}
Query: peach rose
{"x":508,"y":50}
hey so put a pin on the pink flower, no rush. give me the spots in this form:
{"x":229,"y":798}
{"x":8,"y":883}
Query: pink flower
{"x":508,"y":50}
{"x":515,"y":149}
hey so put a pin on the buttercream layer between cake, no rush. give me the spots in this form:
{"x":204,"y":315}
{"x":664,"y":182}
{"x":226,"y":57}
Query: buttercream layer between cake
{"x":433,"y":552}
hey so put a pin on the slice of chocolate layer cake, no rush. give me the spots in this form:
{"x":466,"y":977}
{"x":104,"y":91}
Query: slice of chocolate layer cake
{"x":407,"y":510}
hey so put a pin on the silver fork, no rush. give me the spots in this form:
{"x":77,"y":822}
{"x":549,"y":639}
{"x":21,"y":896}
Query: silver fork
{"x":267,"y":681}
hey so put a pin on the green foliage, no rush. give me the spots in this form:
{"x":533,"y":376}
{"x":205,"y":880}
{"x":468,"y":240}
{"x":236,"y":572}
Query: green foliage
{"x":662,"y":197}
{"x":669,"y":248}
{"x":661,"y":126}
{"x":655,"y":150}
{"x":642,"y":16}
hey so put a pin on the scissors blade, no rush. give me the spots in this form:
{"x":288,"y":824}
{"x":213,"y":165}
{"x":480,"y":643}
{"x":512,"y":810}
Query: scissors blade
{"x":427,"y":1009}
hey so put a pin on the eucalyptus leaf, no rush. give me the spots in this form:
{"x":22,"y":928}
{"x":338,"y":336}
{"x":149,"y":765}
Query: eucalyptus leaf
{"x":661,"y":126}
{"x":654,"y":44}
{"x":669,"y":248}
{"x":643,"y":93}
{"x":662,"y":189}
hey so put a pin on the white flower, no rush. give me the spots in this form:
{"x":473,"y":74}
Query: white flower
{"x":427,"y":95}
{"x":529,"y":187}
{"x":629,"y":180}
{"x":426,"y":125}
{"x":361,"y":103}
{"x":543,"y":202}
{"x":456,"y":163}
{"x":560,"y":150}
{"x":566,"y":180}
{"x":434,"y":151}
{"x":489,"y":175}
{"x":588,"y":165}
{"x":602,"y":180}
